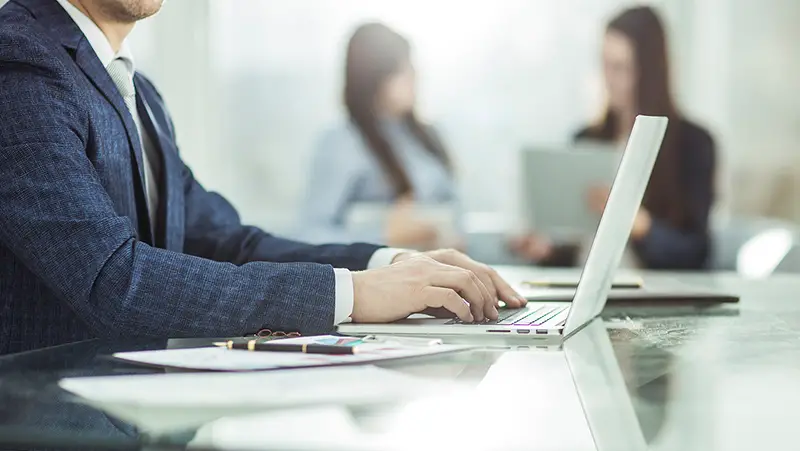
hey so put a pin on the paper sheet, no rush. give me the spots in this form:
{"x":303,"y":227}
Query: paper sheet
{"x":221,"y":359}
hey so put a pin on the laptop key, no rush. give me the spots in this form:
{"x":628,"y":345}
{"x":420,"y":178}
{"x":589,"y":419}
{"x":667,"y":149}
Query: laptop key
{"x":504,"y":317}
{"x":548,"y":317}
{"x":518,"y":315}
{"x":509,"y":316}
{"x":535,"y":316}
{"x":458,"y":321}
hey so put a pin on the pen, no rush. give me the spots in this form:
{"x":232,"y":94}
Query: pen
{"x":548,"y":284}
{"x":556,"y":284}
{"x":308,"y":348}
{"x":410,"y":341}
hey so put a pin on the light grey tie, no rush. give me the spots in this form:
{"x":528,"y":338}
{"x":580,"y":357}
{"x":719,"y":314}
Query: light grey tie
{"x":123,"y":78}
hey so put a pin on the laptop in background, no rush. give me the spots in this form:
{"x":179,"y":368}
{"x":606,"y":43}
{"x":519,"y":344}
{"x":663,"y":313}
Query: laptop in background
{"x":569,"y":172}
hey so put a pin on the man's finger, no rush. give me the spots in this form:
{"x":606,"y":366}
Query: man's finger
{"x":488,"y":310}
{"x":437,"y":297}
{"x":439,"y":312}
{"x":455,"y":258}
{"x":489,"y":295}
{"x":484,"y":273}
{"x":465,"y":283}
{"x":506,"y":293}
{"x":483,"y":281}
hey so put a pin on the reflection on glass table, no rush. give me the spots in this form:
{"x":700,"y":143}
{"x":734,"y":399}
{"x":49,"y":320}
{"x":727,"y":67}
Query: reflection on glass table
{"x":572,"y":398}
{"x":512,"y":396}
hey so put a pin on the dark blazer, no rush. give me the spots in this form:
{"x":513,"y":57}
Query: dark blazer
{"x":77,"y":256}
{"x":689,"y":247}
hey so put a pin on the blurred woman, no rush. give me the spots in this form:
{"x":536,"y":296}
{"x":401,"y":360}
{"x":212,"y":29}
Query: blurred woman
{"x":382,"y":163}
{"x":671,"y":228}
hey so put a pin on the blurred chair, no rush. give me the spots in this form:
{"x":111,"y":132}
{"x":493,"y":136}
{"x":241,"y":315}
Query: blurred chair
{"x":761,"y":255}
{"x":791,"y":262}
{"x":753,"y":247}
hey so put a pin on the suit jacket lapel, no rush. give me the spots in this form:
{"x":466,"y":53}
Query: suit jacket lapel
{"x":98,"y":75}
{"x":53,"y":17}
{"x":170,"y":211}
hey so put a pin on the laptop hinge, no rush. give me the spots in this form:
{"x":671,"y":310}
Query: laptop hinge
{"x":580,"y":328}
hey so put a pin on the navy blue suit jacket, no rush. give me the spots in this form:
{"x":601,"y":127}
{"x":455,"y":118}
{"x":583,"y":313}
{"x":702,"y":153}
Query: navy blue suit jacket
{"x":78,"y":258}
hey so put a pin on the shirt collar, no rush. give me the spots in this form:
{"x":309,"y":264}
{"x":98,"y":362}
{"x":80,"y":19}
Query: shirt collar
{"x":97,"y":39}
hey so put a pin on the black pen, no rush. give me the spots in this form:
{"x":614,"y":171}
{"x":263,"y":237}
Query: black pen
{"x":308,"y":348}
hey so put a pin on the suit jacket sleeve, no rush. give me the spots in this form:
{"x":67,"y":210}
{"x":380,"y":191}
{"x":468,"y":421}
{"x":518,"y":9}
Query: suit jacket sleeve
{"x":213,"y":230}
{"x":58,"y":220}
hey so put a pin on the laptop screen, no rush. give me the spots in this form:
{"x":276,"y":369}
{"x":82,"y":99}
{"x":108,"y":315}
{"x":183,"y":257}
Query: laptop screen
{"x":616,"y":223}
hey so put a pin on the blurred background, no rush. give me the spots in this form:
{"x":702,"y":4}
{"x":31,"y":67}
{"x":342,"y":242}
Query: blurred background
{"x":251,"y":84}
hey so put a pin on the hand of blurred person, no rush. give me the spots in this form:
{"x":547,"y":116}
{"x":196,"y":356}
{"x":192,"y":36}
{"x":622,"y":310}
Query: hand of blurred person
{"x":404,"y":229}
{"x":459,"y":244}
{"x":597,"y":198}
{"x":443,"y":283}
{"x":641,"y":225}
{"x":531,"y":247}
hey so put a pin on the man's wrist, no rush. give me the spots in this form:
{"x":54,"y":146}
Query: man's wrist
{"x":344,"y":296}
{"x":386,"y":256}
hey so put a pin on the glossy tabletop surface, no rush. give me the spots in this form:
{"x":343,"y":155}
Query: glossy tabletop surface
{"x":712,"y":378}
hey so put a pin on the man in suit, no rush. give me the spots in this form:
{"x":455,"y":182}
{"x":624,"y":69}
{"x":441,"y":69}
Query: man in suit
{"x":104,"y":232}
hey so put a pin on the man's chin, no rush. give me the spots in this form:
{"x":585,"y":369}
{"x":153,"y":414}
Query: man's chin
{"x":129,"y":11}
{"x":149,"y":8}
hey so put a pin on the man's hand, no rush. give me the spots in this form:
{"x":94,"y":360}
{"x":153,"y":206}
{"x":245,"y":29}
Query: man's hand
{"x":498,"y":288}
{"x":417,"y":283}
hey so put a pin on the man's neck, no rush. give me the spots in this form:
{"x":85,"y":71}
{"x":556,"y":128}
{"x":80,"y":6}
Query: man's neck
{"x":115,"y":32}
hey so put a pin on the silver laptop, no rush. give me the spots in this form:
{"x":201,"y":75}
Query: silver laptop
{"x":557,"y":320}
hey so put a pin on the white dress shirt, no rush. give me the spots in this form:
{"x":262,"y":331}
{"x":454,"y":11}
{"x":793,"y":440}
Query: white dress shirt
{"x":105,"y":52}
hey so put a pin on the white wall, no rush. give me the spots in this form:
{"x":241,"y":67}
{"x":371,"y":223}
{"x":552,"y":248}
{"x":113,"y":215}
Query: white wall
{"x":764,"y":105}
{"x":740,"y":61}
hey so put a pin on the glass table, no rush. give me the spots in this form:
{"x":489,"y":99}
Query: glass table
{"x":716,"y":378}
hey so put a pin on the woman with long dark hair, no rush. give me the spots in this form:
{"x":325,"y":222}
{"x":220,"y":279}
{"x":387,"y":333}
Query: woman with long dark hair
{"x":671,"y":228}
{"x":383,"y":156}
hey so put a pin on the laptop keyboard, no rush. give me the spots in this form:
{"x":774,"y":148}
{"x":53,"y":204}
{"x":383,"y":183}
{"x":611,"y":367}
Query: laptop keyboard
{"x":524,"y":317}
